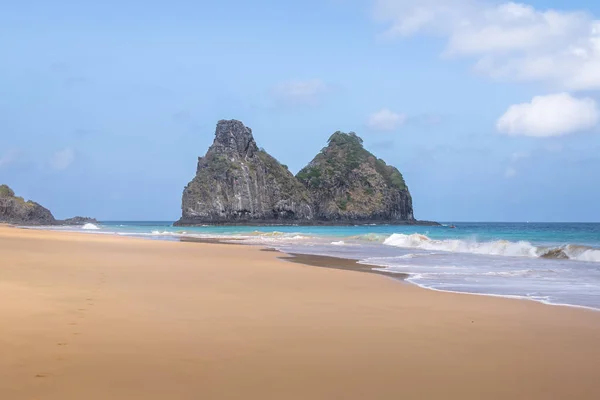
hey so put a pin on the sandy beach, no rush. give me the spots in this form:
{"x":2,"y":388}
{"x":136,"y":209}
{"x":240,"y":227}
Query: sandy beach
{"x":103,"y":317}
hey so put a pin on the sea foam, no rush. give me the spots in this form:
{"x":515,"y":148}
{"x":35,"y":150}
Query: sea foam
{"x":497,"y":247}
{"x":90,"y":227}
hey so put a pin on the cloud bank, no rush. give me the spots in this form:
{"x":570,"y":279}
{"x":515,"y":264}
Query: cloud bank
{"x":514,"y":42}
{"x":511,"y":41}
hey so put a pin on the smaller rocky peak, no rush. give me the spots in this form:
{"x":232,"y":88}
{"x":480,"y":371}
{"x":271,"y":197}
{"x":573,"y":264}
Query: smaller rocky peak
{"x":6,"y":191}
{"x":232,"y":136}
{"x":16,"y":210}
{"x":343,"y":145}
{"x":79,"y":221}
{"x":343,"y":160}
{"x":341,"y":139}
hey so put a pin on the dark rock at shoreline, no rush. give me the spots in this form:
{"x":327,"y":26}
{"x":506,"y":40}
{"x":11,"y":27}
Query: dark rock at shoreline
{"x":349,"y":184}
{"x":236,"y":182}
{"x":313,"y":222}
{"x":557,"y":254}
{"x":15,"y":210}
{"x":78,"y":221}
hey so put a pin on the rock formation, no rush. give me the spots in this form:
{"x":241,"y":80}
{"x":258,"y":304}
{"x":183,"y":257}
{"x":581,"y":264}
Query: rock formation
{"x":78,"y":221}
{"x":238,"y":183}
{"x":15,"y":210}
{"x":348,"y":184}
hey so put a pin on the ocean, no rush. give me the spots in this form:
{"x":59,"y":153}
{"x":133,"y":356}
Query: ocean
{"x":554,"y":263}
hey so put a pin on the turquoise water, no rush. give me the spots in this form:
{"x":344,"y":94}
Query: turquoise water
{"x":536,"y":233}
{"x":557,"y":263}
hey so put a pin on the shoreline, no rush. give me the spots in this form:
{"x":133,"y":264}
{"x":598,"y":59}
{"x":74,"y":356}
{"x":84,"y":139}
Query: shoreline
{"x":352,"y":264}
{"x":313,"y":260}
{"x":355,"y":265}
{"x":506,"y":296}
{"x":344,"y":264}
{"x":307,"y":223}
{"x":349,"y":264}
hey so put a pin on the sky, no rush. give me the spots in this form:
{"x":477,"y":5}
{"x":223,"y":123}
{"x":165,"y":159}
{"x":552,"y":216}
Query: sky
{"x":489,"y":109}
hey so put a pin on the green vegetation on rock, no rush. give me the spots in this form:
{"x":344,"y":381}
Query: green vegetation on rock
{"x":238,"y":182}
{"x":346,"y":181}
{"x":392,"y":176}
{"x":344,"y":154}
{"x":14,"y":209}
{"x":6,"y":191}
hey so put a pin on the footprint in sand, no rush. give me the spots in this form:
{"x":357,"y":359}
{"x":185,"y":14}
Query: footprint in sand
{"x":61,"y":344}
{"x":41,"y":375}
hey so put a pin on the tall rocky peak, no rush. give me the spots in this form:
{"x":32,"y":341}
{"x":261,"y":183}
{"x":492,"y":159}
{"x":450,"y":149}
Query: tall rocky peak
{"x":236,"y":182}
{"x":15,"y":210}
{"x":232,"y":136}
{"x":349,"y":184}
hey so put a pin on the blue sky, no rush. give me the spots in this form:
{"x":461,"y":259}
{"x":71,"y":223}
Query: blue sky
{"x":489,"y":109}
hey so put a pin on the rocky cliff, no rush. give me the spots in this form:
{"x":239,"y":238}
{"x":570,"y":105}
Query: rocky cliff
{"x":348,"y":184}
{"x":15,"y":210}
{"x":236,"y":182}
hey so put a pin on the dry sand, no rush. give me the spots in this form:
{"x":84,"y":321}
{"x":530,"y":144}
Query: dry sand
{"x":96,"y":317}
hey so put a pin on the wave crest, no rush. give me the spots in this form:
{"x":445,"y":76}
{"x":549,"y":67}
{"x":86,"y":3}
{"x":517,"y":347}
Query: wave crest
{"x":497,"y":248}
{"x":370,"y":237}
{"x":90,"y":227}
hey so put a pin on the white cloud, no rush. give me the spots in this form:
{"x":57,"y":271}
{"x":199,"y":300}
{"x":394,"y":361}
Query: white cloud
{"x":300,"y":92}
{"x":385,"y":120}
{"x":551,"y":115}
{"x":62,"y":159}
{"x":9,"y":157}
{"x":509,"y":41}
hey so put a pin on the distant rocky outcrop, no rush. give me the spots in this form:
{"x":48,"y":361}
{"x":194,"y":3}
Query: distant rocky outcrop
{"x":238,"y":183}
{"x":349,"y":184}
{"x":78,"y":221}
{"x":15,"y":210}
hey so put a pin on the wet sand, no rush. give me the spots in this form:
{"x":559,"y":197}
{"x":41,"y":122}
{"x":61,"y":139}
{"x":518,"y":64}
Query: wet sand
{"x":338,"y":263}
{"x":100,"y":317}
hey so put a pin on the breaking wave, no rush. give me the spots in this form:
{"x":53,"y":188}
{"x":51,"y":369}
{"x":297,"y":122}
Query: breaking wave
{"x":370,"y":237}
{"x":267,"y":234}
{"x":90,"y":227}
{"x":498,"y":247}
